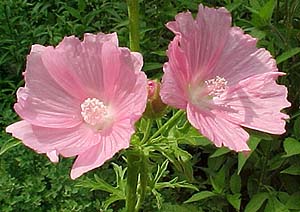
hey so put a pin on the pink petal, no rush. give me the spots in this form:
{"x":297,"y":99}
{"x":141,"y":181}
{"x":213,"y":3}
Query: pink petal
{"x":217,"y":129}
{"x":241,"y":59}
{"x":53,"y":156}
{"x":122,"y":75}
{"x":176,"y":76}
{"x":137,"y":60}
{"x":101,"y":38}
{"x":61,"y":68}
{"x":256,"y":103}
{"x":202,"y":40}
{"x":132,"y":104}
{"x":110,"y":144}
{"x":43,"y":102}
{"x":68,"y":142}
{"x":78,"y":66}
{"x":132,"y":91}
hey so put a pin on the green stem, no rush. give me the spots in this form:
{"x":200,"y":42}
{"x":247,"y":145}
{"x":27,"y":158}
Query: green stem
{"x":132,"y":181}
{"x":133,"y":159}
{"x":143,"y":182}
{"x":170,"y":122}
{"x":263,"y":169}
{"x":133,"y":14}
{"x":147,"y":131}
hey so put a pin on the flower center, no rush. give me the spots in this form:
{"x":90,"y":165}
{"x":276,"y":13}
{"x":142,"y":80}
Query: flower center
{"x":95,"y":113}
{"x":216,"y":86}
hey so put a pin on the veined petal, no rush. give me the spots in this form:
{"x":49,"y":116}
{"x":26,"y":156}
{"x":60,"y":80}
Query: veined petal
{"x":241,"y":58}
{"x":133,"y":102}
{"x":202,"y":40}
{"x":256,"y":103}
{"x":53,"y":156}
{"x":48,"y":140}
{"x":176,"y":77}
{"x":126,"y":83}
{"x":217,"y":129}
{"x":80,"y":66}
{"x":43,"y":102}
{"x":61,"y":68}
{"x":111,"y":143}
{"x":101,"y":38}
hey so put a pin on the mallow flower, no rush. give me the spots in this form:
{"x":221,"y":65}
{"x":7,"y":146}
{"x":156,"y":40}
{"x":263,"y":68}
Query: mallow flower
{"x":225,"y":83}
{"x":81,"y":98}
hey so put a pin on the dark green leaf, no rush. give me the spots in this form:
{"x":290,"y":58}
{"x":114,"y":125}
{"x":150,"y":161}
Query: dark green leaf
{"x":152,"y":66}
{"x":218,"y":182}
{"x":294,"y":201}
{"x":242,"y":158}
{"x":287,"y":55}
{"x":291,"y":147}
{"x":256,"y":202}
{"x":200,"y":196}
{"x":8,"y":145}
{"x":234,"y":200}
{"x":235,"y":183}
{"x":292,"y":170}
{"x":220,"y":151}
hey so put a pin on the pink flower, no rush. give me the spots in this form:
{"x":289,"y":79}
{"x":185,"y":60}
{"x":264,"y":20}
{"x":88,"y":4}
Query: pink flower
{"x":80,"y":98}
{"x":216,"y":73}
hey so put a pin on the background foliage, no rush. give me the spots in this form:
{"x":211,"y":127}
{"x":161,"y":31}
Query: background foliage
{"x":268,"y":179}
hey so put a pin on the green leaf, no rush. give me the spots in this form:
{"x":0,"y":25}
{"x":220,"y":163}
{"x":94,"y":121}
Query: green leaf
{"x":242,"y":158}
{"x":292,"y":170}
{"x":81,"y":5}
{"x":274,"y":205}
{"x":160,"y":171}
{"x":291,"y":147}
{"x":296,"y":128}
{"x":261,"y":135}
{"x":110,"y":200}
{"x":294,"y":201}
{"x":75,"y":13}
{"x":235,"y":183}
{"x":218,"y":182}
{"x":234,"y":5}
{"x":8,"y":145}
{"x":151,"y":66}
{"x":158,"y":198}
{"x":287,"y":55}
{"x":220,"y":151}
{"x":200,"y":196}
{"x":234,"y":200}
{"x":100,"y":184}
{"x":174,"y":184}
{"x":261,"y":14}
{"x":167,"y":207}
{"x":180,"y":158}
{"x":266,"y":11}
{"x":256,"y":202}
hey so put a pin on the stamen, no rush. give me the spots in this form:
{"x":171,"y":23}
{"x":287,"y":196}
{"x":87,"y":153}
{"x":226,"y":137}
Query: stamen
{"x":216,"y":86}
{"x":94,"y":112}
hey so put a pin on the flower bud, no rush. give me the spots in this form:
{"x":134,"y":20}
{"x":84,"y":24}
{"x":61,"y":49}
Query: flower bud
{"x":155,"y":107}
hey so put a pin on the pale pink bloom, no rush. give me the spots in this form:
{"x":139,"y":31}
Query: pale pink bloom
{"x":216,"y":73}
{"x":80,"y":98}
